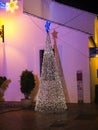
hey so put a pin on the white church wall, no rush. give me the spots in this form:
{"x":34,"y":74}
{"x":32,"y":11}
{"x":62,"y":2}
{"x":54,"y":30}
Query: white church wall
{"x":25,"y":35}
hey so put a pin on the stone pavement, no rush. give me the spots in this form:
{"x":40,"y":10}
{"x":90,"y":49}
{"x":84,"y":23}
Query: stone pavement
{"x":77,"y":117}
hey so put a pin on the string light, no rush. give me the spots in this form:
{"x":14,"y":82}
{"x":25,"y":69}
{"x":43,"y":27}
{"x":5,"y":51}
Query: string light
{"x":12,"y":5}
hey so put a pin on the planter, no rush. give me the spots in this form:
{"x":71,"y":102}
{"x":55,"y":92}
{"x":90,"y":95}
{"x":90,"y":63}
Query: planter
{"x":26,"y":103}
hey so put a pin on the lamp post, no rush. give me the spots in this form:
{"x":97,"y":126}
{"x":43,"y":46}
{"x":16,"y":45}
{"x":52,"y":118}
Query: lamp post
{"x":2,"y":32}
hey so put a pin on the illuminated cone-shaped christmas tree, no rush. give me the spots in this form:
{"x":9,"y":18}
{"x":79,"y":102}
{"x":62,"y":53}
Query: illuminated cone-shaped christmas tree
{"x":51,"y":97}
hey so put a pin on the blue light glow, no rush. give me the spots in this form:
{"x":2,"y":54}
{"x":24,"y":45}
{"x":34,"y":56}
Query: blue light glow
{"x":2,"y":5}
{"x":47,"y":26}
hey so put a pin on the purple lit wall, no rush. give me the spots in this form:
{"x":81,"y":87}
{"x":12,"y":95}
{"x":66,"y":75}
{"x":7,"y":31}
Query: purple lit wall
{"x":24,"y":36}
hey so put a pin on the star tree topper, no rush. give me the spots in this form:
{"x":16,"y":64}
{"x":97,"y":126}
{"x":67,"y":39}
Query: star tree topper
{"x":47,"y":26}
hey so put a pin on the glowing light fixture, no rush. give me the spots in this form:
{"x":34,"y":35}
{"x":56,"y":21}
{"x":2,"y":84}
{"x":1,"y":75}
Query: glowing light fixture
{"x":96,"y":56}
{"x":2,"y":33}
{"x":12,"y":5}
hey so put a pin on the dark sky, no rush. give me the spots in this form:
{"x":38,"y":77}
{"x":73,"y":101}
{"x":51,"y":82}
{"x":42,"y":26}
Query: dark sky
{"x":87,"y":5}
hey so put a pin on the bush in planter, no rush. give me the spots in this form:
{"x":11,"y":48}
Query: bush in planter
{"x":27,"y":83}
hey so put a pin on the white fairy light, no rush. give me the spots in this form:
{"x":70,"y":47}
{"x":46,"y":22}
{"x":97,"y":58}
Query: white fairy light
{"x":51,"y":97}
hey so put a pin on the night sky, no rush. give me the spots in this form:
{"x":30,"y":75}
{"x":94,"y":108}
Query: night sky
{"x":87,"y":5}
